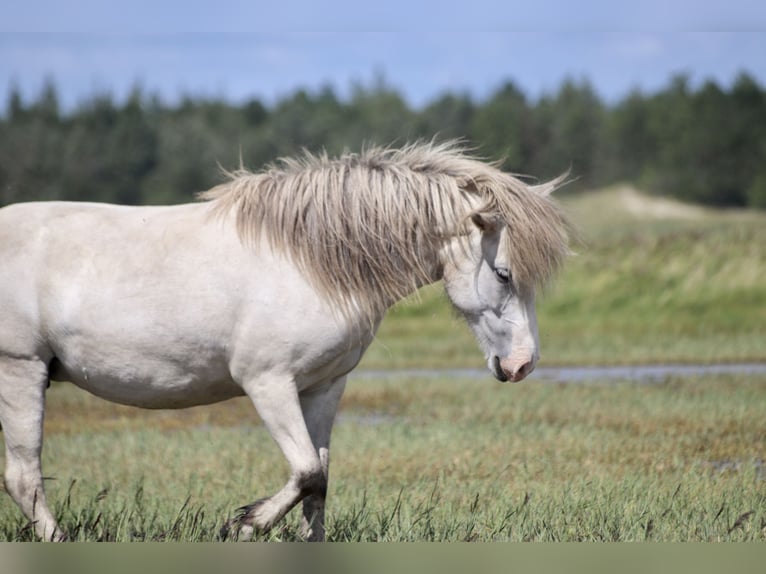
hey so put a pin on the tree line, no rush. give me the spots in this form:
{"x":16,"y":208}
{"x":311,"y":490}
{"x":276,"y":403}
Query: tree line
{"x":704,"y":144}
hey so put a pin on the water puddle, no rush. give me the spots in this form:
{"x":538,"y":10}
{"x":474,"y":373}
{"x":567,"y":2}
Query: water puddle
{"x":635,"y":373}
{"x":640,"y":374}
{"x":728,"y":466}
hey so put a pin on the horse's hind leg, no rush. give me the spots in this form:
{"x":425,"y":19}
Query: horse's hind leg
{"x":22,"y":396}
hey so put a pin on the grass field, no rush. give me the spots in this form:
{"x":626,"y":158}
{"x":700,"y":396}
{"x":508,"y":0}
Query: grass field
{"x":430,"y":460}
{"x":424,"y":459}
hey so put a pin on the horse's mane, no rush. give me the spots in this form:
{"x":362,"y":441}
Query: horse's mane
{"x":366,"y":227}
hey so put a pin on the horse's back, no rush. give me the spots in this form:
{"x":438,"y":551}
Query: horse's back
{"x":67,"y":260}
{"x":59,"y":242}
{"x":71,"y":222}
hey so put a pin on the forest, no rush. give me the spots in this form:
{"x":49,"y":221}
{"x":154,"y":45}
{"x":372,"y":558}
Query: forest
{"x":704,"y":144}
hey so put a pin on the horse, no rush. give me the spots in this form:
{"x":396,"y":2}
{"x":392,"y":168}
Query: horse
{"x":272,"y":285}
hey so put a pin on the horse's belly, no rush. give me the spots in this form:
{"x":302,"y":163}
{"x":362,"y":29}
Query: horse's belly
{"x":160,"y":388}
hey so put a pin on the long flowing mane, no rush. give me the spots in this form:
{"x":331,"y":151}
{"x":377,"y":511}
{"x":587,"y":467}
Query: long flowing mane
{"x":366,"y":227}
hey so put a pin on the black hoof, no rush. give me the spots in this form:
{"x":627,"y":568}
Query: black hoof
{"x":229,"y":529}
{"x":243,"y":516}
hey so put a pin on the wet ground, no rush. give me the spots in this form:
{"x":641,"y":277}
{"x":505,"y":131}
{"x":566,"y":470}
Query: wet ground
{"x":634,"y":373}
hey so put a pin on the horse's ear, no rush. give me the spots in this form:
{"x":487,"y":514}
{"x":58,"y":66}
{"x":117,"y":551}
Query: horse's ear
{"x":467,"y":184}
{"x":479,"y":221}
{"x":483,"y":223}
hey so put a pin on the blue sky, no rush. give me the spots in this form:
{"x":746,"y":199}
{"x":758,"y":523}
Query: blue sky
{"x":239,"y":50}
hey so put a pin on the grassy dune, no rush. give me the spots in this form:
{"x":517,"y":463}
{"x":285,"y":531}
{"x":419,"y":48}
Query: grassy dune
{"x":429,"y":460}
{"x":653,"y":281}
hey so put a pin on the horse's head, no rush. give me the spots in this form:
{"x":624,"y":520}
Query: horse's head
{"x":478,"y":278}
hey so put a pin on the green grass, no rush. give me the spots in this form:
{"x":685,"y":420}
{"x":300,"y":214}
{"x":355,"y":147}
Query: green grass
{"x":689,"y":286}
{"x":443,"y":460}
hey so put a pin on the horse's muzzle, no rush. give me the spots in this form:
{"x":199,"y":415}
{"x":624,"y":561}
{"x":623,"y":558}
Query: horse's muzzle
{"x":513,"y":370}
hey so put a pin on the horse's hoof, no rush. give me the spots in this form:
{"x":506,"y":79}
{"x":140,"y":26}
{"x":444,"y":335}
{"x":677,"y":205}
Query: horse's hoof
{"x":242,"y":526}
{"x":234,"y":529}
{"x":229,"y":528}
{"x":60,"y":537}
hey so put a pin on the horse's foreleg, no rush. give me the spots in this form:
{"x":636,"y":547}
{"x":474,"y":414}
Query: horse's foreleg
{"x":319,"y":408}
{"x":276,"y":400}
{"x":22,"y":397}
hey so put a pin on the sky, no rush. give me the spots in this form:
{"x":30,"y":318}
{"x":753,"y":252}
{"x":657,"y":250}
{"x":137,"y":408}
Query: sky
{"x":240,"y":50}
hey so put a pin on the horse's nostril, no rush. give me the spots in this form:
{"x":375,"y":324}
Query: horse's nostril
{"x":524,"y":370}
{"x":517,"y":370}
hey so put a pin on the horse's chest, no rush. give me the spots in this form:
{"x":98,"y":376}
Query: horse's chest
{"x":312,"y":352}
{"x":330,"y":368}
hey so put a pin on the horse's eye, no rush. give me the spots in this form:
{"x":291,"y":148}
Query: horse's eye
{"x":502,"y":274}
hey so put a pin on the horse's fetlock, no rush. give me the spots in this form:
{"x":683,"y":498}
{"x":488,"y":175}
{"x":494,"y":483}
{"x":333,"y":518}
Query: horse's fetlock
{"x":312,"y":482}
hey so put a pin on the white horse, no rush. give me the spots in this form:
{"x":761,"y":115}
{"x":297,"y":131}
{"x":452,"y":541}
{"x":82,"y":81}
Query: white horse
{"x":273,"y":288}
